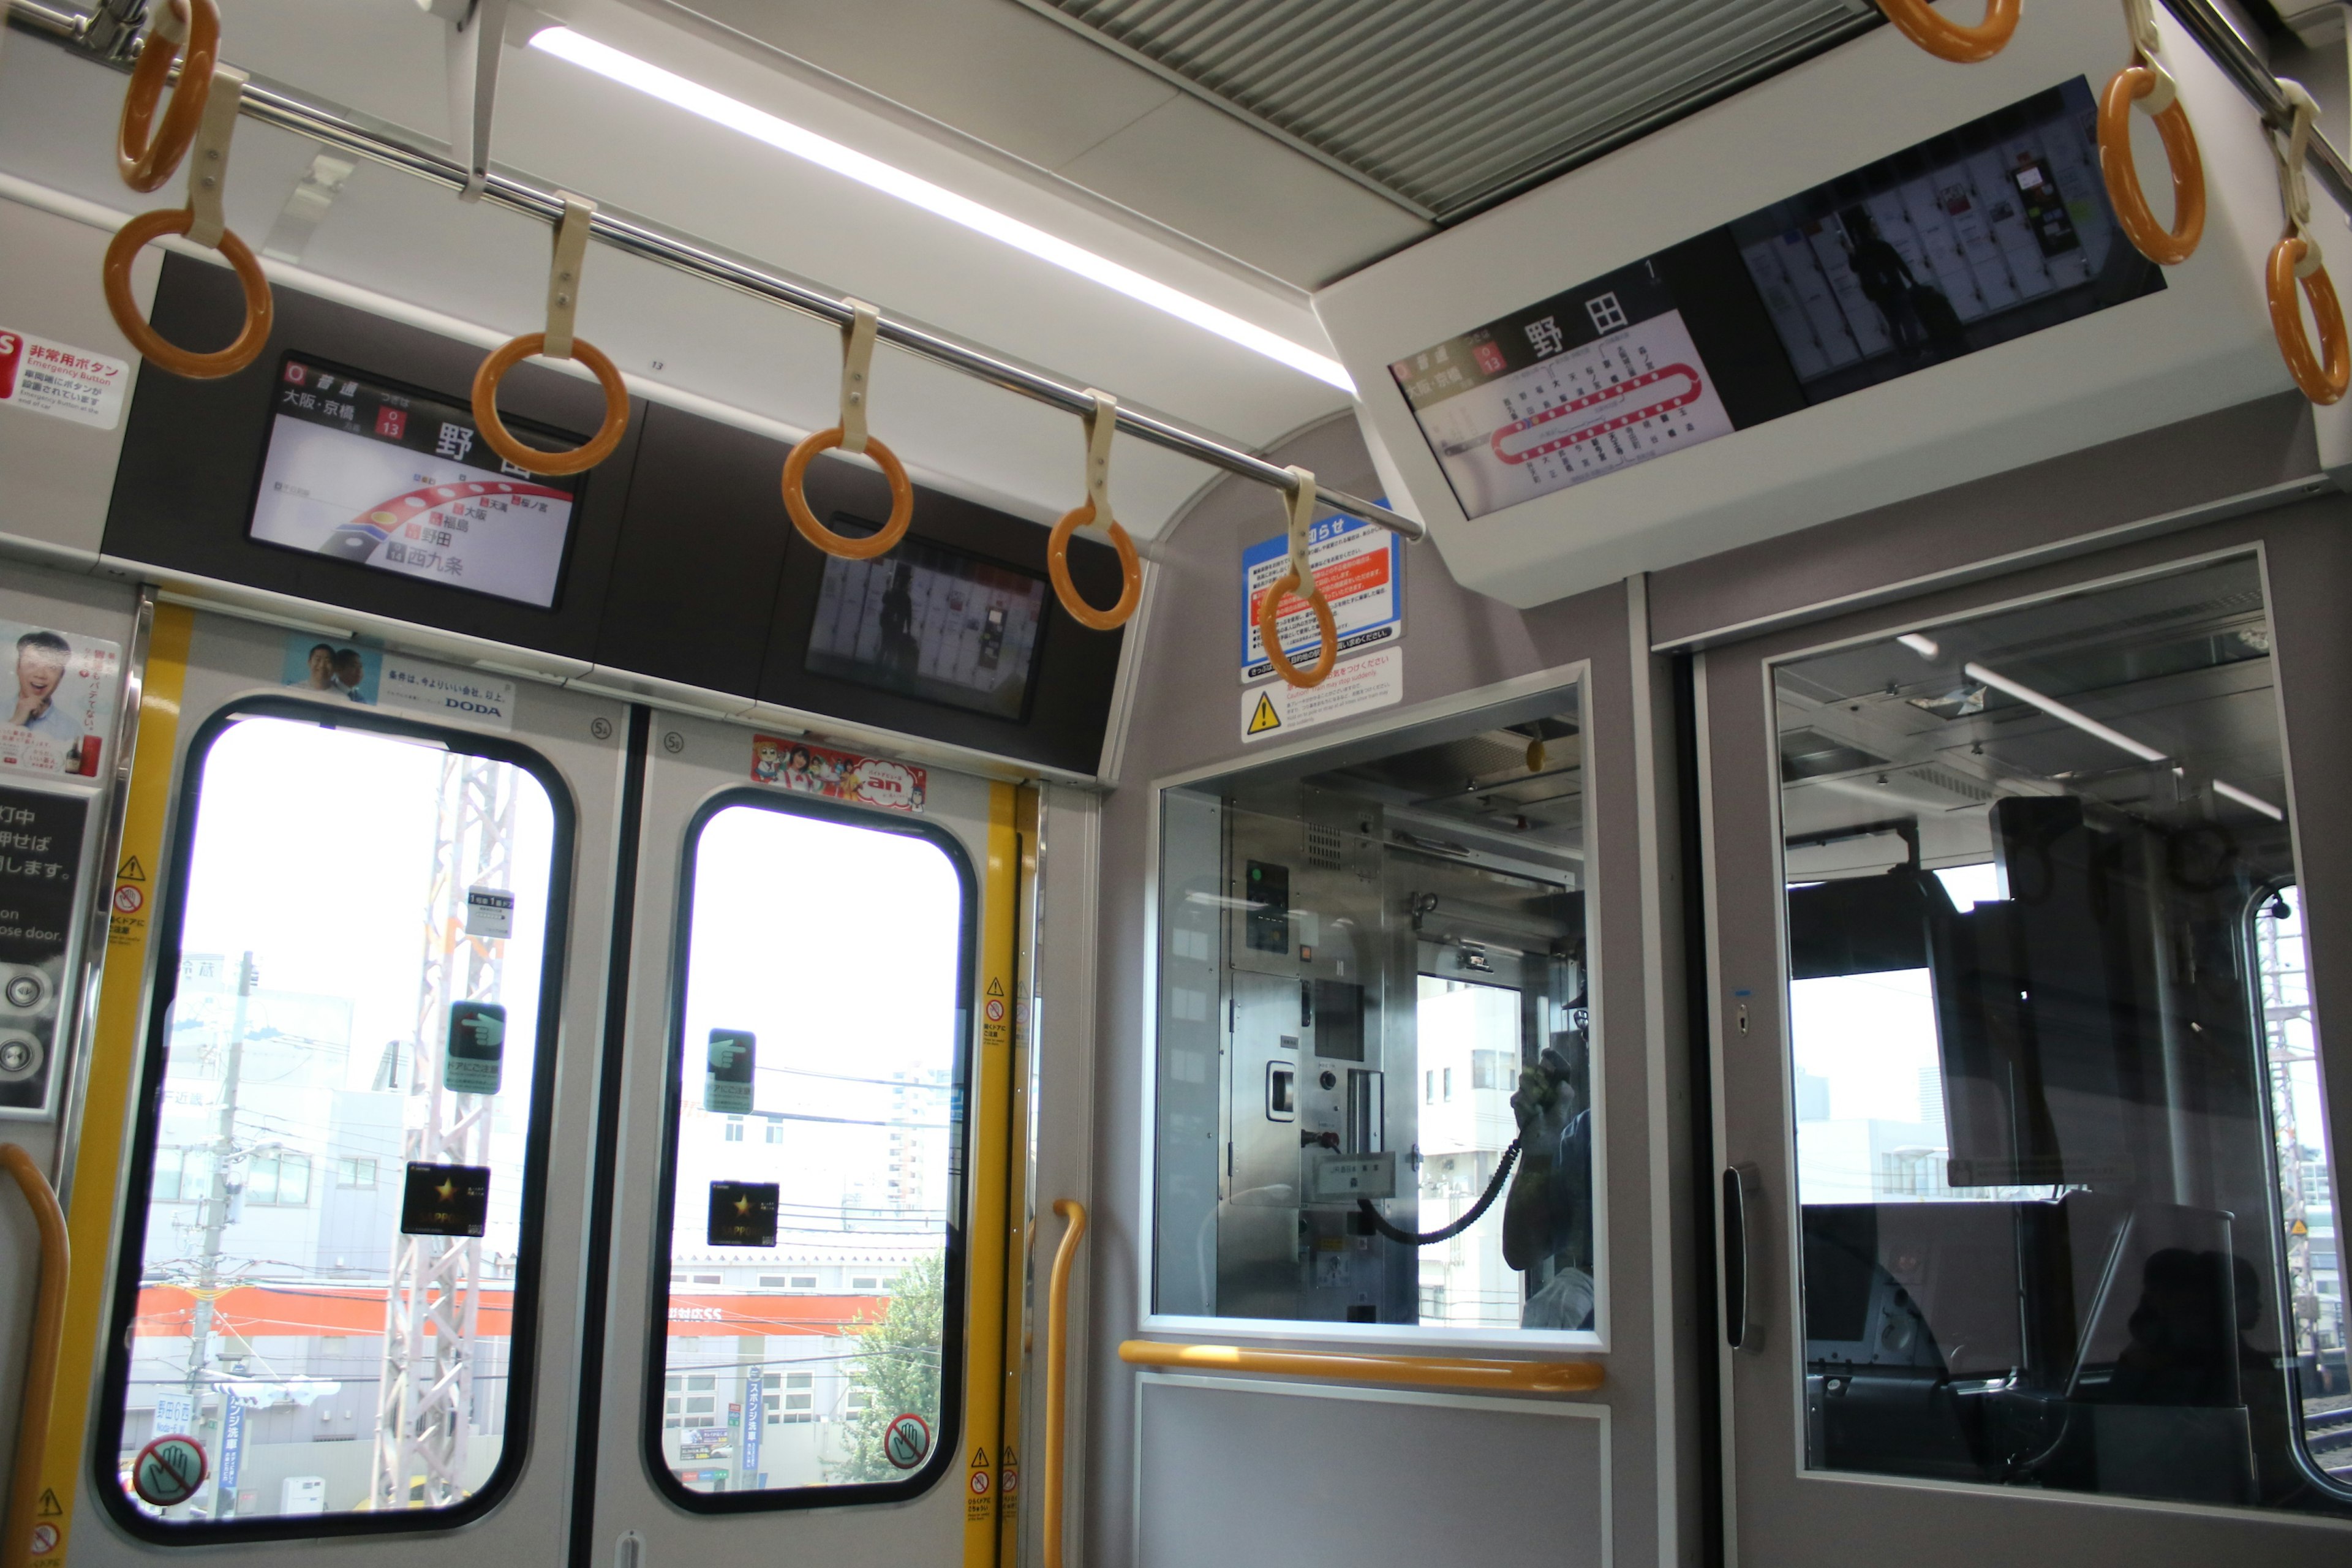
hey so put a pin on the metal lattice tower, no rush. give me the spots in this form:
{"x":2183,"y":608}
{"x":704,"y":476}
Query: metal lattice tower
{"x":426,"y":1393}
{"x":2287,"y":1001}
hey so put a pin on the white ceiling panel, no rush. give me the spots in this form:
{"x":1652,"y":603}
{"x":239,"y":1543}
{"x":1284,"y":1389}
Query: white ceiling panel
{"x":992,"y":70}
{"x":1184,"y":162}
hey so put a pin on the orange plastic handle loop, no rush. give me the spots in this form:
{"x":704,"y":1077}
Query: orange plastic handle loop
{"x":2322,"y":383}
{"x":146,"y":162}
{"x":902,"y":500}
{"x":1057,"y":563}
{"x":1949,"y":40}
{"x":259,"y":308}
{"x":2171,"y":246}
{"x":1268,"y":614}
{"x":581,"y":459}
{"x":41,"y":1356}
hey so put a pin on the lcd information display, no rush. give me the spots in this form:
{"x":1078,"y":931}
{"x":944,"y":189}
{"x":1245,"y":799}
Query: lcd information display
{"x":400,"y":482}
{"x":929,"y":622}
{"x":1993,"y":230}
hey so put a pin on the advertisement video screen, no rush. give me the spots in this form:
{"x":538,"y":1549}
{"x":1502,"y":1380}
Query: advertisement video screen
{"x":1993,"y":230}
{"x":929,"y":622}
{"x":401,"y":483}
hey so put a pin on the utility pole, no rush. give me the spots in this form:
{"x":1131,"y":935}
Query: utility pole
{"x":208,"y":1284}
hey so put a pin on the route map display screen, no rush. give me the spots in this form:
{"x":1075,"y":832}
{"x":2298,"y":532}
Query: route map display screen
{"x":1991,"y":231}
{"x":929,"y":622}
{"x":400,"y":482}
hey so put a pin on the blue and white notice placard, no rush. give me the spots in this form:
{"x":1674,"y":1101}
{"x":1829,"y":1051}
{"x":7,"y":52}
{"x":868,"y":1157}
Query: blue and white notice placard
{"x":1360,"y":569}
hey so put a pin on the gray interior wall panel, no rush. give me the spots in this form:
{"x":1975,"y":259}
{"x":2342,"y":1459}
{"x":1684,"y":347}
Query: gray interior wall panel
{"x":56,"y":476}
{"x":1187,"y":715}
{"x":1533,"y":1474}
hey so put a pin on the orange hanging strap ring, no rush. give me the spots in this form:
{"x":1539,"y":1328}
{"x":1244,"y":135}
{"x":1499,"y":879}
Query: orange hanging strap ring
{"x":571,"y":232}
{"x":1950,"y":40}
{"x":1096,"y":508}
{"x":189,"y":28}
{"x":203,"y":222}
{"x":857,"y":336}
{"x":1298,"y":570}
{"x":2146,"y":85}
{"x":2324,"y":376}
{"x":2296,"y":262}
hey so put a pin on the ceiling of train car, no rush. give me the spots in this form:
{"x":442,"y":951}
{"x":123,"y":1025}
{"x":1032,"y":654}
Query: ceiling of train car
{"x":1240,"y":152}
{"x":1445,"y":109}
{"x":562,"y":124}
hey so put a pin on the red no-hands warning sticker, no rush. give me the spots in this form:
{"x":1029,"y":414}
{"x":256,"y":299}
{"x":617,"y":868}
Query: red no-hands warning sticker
{"x":906,"y":1440}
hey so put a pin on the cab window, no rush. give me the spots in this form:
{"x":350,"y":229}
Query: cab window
{"x":1374,"y":1089}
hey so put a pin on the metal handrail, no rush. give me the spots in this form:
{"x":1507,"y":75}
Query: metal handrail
{"x":1058,"y":1357}
{"x":290,"y":110}
{"x":40,"y":1361}
{"x":1431,"y":1372}
{"x":2204,"y":22}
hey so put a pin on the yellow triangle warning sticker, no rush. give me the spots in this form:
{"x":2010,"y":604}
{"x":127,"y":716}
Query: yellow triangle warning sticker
{"x":132,"y":871}
{"x":996,"y":986}
{"x":50,"y":1508}
{"x":979,"y":1459}
{"x":1264,"y":718}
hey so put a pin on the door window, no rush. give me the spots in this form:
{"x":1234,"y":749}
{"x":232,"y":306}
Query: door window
{"x":1374,"y":1093}
{"x":815,"y":1270}
{"x":329,"y":1255}
{"x":2051,"y":1053}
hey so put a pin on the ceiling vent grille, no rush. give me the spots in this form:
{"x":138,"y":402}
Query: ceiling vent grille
{"x":1450,"y":108}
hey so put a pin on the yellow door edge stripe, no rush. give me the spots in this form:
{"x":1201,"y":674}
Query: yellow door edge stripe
{"x":110,"y":1076}
{"x":1018,"y":1195}
{"x":991,"y":1146}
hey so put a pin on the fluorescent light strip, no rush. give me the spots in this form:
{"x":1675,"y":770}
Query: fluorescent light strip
{"x":782,"y":134}
{"x":2116,"y":738}
{"x":2234,"y":793}
{"x":2057,"y":709}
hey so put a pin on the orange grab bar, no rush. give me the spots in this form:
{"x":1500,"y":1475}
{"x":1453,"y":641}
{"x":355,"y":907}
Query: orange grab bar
{"x":556,"y":342}
{"x":1950,"y":40}
{"x":1058,"y":1357}
{"x":849,"y":434}
{"x":260,"y":310}
{"x":502,"y":441}
{"x":41,"y":1366}
{"x":2171,"y":246}
{"x":2323,"y":383}
{"x":1099,"y":426}
{"x":203,"y":222}
{"x":1057,"y":563}
{"x":1431,"y":1371}
{"x":1298,"y":572}
{"x":146,"y":162}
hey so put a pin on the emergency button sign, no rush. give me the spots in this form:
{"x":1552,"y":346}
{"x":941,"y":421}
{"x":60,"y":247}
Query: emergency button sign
{"x":906,"y":1440}
{"x":168,"y":1471}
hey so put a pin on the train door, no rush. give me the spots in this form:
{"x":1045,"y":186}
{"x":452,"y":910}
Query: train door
{"x":804,"y":1201}
{"x":2024,"y":938}
{"x":351,"y":1006}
